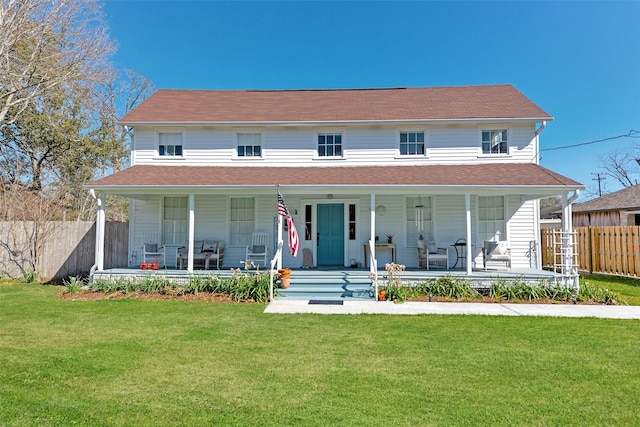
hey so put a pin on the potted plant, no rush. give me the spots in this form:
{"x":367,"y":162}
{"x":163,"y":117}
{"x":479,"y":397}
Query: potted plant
{"x":284,"y":275}
{"x":389,"y":238}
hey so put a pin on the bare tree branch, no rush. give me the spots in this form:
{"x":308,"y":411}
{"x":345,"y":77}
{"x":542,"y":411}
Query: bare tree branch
{"x":46,"y":45}
{"x":622,"y":166}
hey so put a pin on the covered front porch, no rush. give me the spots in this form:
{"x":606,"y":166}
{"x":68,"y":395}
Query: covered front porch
{"x":344,"y":215}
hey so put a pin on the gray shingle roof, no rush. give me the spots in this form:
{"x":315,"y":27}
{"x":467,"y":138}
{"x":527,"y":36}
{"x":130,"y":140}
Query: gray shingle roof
{"x":625,"y":199}
{"x":476,"y":175}
{"x":341,"y":105}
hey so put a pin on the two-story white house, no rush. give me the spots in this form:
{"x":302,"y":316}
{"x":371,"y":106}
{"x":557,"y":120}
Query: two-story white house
{"x":448,"y":164}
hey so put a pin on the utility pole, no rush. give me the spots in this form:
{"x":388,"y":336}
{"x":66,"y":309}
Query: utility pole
{"x":599,"y":178}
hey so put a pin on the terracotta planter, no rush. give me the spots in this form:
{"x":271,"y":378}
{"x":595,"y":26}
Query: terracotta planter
{"x":284,"y":272}
{"x":284,"y":275}
{"x":381,"y":295}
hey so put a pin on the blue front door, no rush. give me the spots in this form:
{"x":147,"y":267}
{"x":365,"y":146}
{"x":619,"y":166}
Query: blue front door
{"x":330,"y":237}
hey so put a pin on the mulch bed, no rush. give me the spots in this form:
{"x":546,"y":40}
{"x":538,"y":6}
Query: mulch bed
{"x":96,"y":296}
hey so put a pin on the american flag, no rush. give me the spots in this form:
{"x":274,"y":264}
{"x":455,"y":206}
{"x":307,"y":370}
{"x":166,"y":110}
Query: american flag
{"x":294,"y":240}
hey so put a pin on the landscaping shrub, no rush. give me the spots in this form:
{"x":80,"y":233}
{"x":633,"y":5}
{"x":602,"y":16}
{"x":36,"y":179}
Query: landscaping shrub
{"x":73,"y":284}
{"x":247,"y":286}
{"x":448,"y":287}
{"x":590,"y":293}
{"x":29,"y":276}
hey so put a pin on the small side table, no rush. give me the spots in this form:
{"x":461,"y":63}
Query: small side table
{"x":390,"y":246}
{"x":461,"y":253}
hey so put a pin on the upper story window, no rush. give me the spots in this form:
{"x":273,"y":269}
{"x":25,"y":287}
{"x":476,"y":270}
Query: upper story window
{"x":249,"y":145}
{"x":170,"y":144}
{"x":329,"y":144}
{"x":411,"y":143}
{"x":495,"y":142}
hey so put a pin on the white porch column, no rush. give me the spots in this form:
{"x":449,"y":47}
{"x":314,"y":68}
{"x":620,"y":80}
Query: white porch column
{"x":100,"y":226}
{"x":372,"y":237}
{"x":467,"y":205}
{"x":192,"y":205}
{"x":280,"y":242}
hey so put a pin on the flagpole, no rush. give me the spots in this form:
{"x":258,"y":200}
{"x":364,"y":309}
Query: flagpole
{"x":280,"y":242}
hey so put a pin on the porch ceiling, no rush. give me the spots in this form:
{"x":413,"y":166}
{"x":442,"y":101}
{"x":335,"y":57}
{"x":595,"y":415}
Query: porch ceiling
{"x":525,"y":178}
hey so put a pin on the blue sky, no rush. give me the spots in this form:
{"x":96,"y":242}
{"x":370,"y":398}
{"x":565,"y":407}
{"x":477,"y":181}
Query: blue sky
{"x":580,"y":61}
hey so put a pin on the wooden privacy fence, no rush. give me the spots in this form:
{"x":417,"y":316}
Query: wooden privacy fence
{"x":609,"y":250}
{"x":68,"y":248}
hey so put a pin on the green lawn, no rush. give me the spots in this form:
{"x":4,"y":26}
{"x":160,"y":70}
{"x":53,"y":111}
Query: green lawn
{"x":627,"y":287}
{"x":130,"y":362}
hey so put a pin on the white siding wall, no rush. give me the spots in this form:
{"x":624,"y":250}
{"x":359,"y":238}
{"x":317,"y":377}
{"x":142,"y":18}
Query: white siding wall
{"x":296,"y":145}
{"x":145,"y":222}
{"x":522,"y":232}
{"x":361,"y":145}
{"x":449,"y":223}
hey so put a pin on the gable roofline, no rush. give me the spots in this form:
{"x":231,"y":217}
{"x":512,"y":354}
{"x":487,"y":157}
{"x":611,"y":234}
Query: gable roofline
{"x":408,"y":122}
{"x":492,"y":103}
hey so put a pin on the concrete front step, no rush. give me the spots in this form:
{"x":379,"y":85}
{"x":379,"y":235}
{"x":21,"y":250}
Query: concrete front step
{"x":324,"y":290}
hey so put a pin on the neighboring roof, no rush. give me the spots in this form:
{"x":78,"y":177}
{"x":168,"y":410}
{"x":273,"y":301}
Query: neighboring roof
{"x":625,"y":199}
{"x":477,"y":175}
{"x":337,"y":105}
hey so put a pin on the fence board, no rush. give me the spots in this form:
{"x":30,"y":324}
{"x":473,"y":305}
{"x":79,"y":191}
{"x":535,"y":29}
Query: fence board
{"x":601,"y":249}
{"x":70,"y":249}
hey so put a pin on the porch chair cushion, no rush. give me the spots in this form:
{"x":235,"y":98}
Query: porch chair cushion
{"x":258,"y":249}
{"x":151,"y":247}
{"x":496,"y":251}
{"x":209,"y":246}
{"x":432,"y":247}
{"x":496,"y":248}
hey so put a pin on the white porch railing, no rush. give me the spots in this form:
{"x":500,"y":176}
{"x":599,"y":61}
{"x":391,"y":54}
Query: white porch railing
{"x":272,"y":269}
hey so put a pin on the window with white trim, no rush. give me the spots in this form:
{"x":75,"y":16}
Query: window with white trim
{"x":495,"y":142}
{"x":412,"y":143}
{"x":170,"y":144}
{"x":419,"y":220}
{"x":491,"y":218}
{"x":242,"y":222}
{"x":249,"y":145}
{"x":330,"y":144}
{"x":175,"y":219}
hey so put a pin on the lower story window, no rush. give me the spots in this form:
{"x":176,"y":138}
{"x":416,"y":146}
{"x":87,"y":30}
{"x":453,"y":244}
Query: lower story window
{"x":175,"y":220}
{"x":308,"y":224}
{"x":352,"y":222}
{"x":491,"y":218}
{"x":419,"y":220}
{"x":242,"y":220}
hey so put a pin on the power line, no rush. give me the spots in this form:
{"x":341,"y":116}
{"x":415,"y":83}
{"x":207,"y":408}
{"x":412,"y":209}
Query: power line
{"x":632,"y":134}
